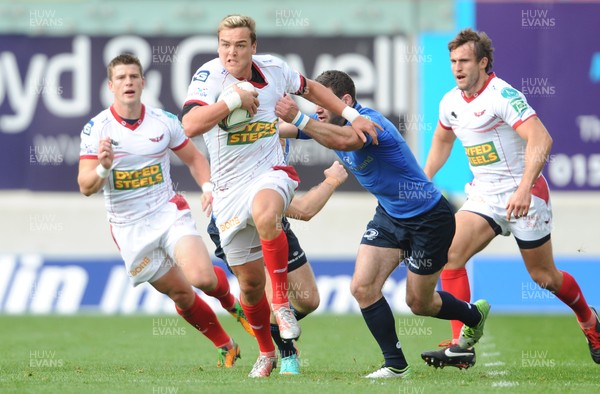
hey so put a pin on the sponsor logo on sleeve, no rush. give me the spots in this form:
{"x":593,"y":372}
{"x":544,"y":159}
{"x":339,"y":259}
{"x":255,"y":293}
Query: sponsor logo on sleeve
{"x":87,"y":129}
{"x":169,"y":114}
{"x":201,"y":76}
{"x":519,"y":105}
{"x":202,"y":92}
{"x":482,"y":154}
{"x":509,"y":93}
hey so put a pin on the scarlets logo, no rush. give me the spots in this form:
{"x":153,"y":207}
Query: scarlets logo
{"x":157,"y":139}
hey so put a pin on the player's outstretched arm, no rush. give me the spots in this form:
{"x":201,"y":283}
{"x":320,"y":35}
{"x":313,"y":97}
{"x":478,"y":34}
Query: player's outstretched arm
{"x":287,"y":130}
{"x":324,"y":97}
{"x":305,"y":207}
{"x":93,"y":172}
{"x":331,"y":136}
{"x":441,"y":146}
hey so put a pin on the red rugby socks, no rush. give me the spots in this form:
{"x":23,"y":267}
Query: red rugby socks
{"x":456,"y":282}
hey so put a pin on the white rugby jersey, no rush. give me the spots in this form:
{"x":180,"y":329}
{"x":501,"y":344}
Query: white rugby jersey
{"x":485,"y":124}
{"x":139,"y":182}
{"x":238,"y":157}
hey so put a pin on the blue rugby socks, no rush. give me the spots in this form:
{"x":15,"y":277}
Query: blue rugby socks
{"x":381,"y":323}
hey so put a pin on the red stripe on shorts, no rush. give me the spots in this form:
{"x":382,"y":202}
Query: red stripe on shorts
{"x":180,"y":202}
{"x":290,"y":170}
{"x":540,"y":189}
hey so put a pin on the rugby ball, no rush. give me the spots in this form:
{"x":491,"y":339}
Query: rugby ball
{"x":239,"y":117}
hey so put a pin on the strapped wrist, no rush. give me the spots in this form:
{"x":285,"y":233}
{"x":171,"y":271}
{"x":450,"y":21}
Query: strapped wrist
{"x":300,"y":120}
{"x":208,"y":187}
{"x":102,"y":171}
{"x":350,"y":114}
{"x":232,"y":99}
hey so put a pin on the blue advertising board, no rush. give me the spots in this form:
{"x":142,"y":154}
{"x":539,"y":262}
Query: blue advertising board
{"x":39,"y":285}
{"x":33,"y":284}
{"x":506,"y":284}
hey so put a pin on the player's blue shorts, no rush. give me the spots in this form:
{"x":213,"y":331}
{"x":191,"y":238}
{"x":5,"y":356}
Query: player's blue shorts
{"x":296,"y":255}
{"x":425,"y":238}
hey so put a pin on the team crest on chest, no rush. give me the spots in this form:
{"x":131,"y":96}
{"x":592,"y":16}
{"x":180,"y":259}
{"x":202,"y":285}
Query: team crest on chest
{"x":157,"y":139}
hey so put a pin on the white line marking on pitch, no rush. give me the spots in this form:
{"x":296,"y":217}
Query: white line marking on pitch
{"x":497,"y":373}
{"x":505,"y":383}
{"x":494,"y":364}
{"x":491,"y":354}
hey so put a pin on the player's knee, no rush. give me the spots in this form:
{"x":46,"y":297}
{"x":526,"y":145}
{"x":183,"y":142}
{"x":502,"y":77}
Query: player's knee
{"x":183,"y":298}
{"x":455,"y":260}
{"x":355,"y":290}
{"x":205,"y":283}
{"x":418,"y":306}
{"x":420,"y":309}
{"x":267,"y":224}
{"x":305,"y":302}
{"x":250,"y":285}
{"x":360,"y":292}
{"x":313,"y":302}
{"x":202,"y":279}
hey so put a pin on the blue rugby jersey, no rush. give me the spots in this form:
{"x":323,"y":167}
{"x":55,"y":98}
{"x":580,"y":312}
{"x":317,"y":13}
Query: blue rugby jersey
{"x":389,"y":170}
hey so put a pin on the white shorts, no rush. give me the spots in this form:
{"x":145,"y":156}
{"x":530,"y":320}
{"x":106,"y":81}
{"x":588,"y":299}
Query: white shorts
{"x":232,"y":209}
{"x":148,"y":245}
{"x":535,"y":226}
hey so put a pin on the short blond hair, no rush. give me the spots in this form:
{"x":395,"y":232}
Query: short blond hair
{"x":234,"y":21}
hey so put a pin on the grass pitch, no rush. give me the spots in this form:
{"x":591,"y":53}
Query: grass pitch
{"x":162,"y":354}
